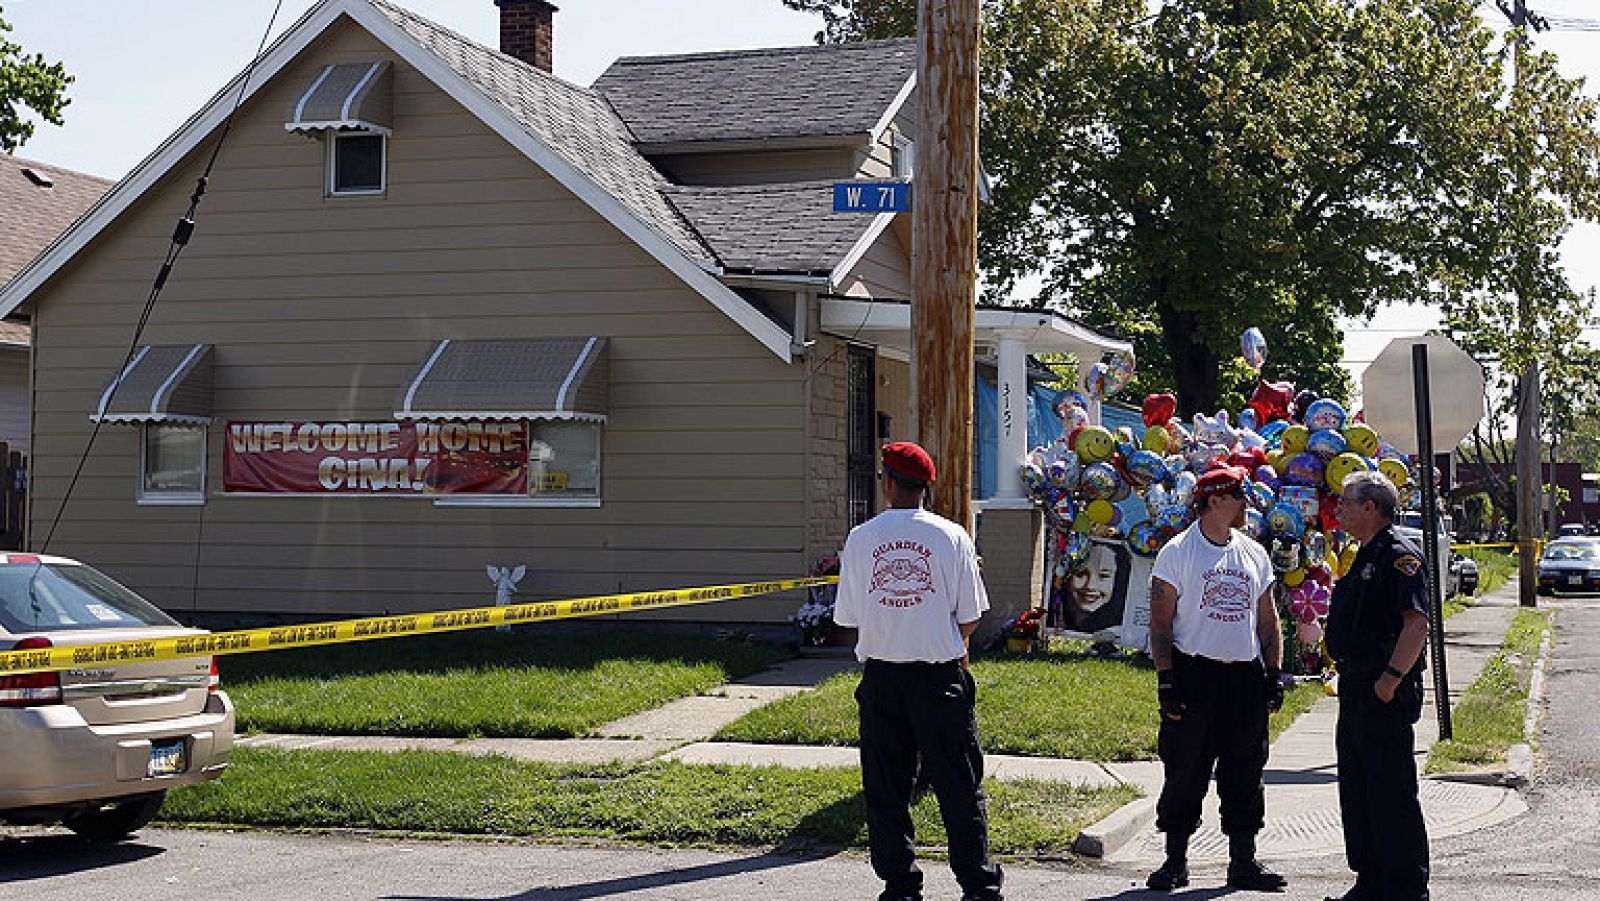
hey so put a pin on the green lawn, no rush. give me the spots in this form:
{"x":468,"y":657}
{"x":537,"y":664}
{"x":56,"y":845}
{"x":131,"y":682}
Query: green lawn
{"x":657,"y":803}
{"x":518,"y":684}
{"x":1490,"y":717}
{"x":1065,"y":702}
{"x":1495,"y":566}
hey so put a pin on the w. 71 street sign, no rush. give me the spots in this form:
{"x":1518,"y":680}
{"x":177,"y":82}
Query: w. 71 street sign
{"x":872,"y":197}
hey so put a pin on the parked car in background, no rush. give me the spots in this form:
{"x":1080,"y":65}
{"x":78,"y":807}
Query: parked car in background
{"x":1466,"y":575}
{"x":96,"y":748}
{"x":1408,"y":525}
{"x":1570,"y":564}
{"x":1571,"y":530}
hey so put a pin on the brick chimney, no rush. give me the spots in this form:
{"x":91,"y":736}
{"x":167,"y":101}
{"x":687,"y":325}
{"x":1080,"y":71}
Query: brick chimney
{"x":527,"y":29}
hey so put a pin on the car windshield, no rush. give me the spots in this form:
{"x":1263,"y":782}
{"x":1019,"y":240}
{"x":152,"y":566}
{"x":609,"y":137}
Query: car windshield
{"x":46,"y":597}
{"x":1571,"y":552}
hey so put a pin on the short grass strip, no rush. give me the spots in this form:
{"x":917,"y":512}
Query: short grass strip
{"x":1065,"y":702}
{"x":1490,"y":716}
{"x":1495,"y":566}
{"x":656,"y":803}
{"x":520,"y":684}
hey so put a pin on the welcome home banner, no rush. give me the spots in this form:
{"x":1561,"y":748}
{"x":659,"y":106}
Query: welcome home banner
{"x":396,"y":458}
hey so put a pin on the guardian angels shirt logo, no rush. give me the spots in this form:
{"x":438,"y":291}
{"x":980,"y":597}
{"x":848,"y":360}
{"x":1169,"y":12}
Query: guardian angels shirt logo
{"x":1227,"y":595}
{"x":901,"y":573}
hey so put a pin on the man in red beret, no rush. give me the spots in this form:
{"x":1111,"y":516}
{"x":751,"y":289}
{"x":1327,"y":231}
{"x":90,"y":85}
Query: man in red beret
{"x":1216,"y":643}
{"x":909,"y":582}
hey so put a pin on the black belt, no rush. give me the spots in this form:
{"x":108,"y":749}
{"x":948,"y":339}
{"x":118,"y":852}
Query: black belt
{"x":925,"y":664}
{"x":1209,"y":661}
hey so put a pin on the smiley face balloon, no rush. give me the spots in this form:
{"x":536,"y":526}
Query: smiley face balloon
{"x":1362,"y":438}
{"x":1095,"y":444}
{"x":1340,"y":467}
{"x":1396,"y":470}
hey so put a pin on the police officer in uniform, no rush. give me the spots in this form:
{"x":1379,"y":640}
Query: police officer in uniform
{"x":1377,"y":627}
{"x":909,"y":582}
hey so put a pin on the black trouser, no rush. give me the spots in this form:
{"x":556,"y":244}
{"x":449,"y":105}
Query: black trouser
{"x":1224,"y":727}
{"x":1385,"y":839}
{"x":912,"y":711}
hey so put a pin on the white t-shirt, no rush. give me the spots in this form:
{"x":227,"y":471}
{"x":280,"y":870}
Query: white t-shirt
{"x":906,"y":579}
{"x":1217,"y":592}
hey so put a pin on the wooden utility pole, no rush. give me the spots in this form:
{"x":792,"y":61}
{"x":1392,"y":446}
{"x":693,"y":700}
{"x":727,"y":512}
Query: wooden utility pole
{"x":944,"y":246}
{"x":1529,"y":520}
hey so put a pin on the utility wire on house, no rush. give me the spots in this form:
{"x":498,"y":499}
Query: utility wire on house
{"x":180,"y":239}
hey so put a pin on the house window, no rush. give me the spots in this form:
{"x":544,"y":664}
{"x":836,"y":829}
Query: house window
{"x":355,"y":163}
{"x":903,"y":156}
{"x":172,"y":465}
{"x":564,"y":459}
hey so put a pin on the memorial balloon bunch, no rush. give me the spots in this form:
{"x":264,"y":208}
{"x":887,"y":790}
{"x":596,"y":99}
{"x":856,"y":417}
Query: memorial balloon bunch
{"x":1296,"y":447}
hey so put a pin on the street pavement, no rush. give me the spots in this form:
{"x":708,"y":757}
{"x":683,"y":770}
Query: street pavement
{"x":1550,"y":852}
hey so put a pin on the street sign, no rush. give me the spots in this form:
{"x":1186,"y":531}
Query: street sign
{"x":1455,"y":385}
{"x":872,"y":197}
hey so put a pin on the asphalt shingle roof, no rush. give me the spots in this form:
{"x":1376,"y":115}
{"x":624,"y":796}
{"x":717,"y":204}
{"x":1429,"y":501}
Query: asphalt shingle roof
{"x":32,"y":214}
{"x":772,"y":228}
{"x":575,"y":122}
{"x":838,"y":89}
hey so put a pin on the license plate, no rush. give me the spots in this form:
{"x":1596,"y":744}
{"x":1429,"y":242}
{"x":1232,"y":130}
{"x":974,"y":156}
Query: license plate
{"x":1574,"y":580}
{"x":168,"y":756}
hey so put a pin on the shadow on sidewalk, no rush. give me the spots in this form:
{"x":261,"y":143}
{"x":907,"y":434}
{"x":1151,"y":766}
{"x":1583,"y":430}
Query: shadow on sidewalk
{"x":1194,"y":894}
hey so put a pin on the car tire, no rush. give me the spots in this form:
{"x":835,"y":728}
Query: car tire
{"x":116,"y":820}
{"x":1547,"y":592}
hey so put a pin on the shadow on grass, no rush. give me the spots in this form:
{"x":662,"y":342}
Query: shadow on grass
{"x":439,"y":654}
{"x":47,"y":856}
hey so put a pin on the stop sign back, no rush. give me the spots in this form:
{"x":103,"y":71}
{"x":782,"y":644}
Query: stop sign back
{"x":1455,"y":385}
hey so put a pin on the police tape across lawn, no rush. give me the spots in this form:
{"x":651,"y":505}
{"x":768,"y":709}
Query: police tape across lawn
{"x":248,"y":641}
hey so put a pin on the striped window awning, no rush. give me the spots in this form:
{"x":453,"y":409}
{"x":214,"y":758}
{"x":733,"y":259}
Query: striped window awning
{"x":357,"y":96}
{"x":536,"y":378}
{"x":168,"y":383}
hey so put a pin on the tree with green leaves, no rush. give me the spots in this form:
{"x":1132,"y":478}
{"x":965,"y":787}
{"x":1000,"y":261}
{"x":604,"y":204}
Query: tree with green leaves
{"x":27,"y":83}
{"x":1184,"y":172}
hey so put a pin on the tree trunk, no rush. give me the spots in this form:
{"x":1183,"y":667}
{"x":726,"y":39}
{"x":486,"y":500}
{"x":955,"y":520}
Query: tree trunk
{"x":1194,"y":365}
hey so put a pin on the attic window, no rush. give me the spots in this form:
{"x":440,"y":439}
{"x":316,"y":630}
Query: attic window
{"x":355,"y":163}
{"x":903,"y":156}
{"x":38,"y":178}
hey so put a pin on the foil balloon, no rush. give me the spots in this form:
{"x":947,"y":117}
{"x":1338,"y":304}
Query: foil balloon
{"x":1158,"y":408}
{"x":1144,"y":467}
{"x":1156,"y":497}
{"x":1144,"y":539}
{"x":1272,"y":432}
{"x":1362,"y":439}
{"x":1253,"y":347}
{"x":1271,"y":401}
{"x":1214,"y":430}
{"x":1325,"y":414}
{"x":1121,"y":493}
{"x":1303,"y":469}
{"x":1396,"y":471}
{"x":1254,"y":523}
{"x":1284,"y":553}
{"x":1064,"y":509}
{"x":1249,"y":439}
{"x":1203,"y":456}
{"x":1285,"y":521}
{"x":1172,"y":518}
{"x":1062,"y":474}
{"x":1094,"y":382}
{"x":1260,"y":496}
{"x":1095,"y":444}
{"x":1100,"y":512}
{"x":1183,"y":487}
{"x":1326,"y":443}
{"x":1266,"y":475}
{"x":1157,"y":439}
{"x":1119,"y":370}
{"x":1293,"y":441}
{"x":1302,"y":403}
{"x":1309,"y":634}
{"x":1294,"y":577}
{"x":1099,"y":481}
{"x":1340,"y":467}
{"x":1247,"y":419}
{"x":1074,"y":417}
{"x":1314,"y":549}
{"x":1033,"y":477}
{"x":1077,"y":550}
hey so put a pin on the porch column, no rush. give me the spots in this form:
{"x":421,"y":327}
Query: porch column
{"x":1011,"y":415}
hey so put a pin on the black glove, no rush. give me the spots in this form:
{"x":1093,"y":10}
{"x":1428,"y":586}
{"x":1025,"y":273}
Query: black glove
{"x":1167,"y":693}
{"x":1274,"y":679}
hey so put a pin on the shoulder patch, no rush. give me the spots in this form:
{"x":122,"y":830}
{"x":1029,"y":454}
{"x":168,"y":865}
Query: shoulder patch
{"x":1409,"y":564}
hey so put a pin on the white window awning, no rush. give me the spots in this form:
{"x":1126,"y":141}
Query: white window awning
{"x":161,"y":383}
{"x":346,"y":96}
{"x":535,"y":378}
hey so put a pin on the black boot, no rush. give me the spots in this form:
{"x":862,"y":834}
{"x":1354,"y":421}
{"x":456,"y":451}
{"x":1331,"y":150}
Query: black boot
{"x":1174,"y":874}
{"x":1243,"y":870}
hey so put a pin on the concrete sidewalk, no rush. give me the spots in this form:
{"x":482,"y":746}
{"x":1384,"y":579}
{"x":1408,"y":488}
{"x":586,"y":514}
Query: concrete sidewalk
{"x":1301,"y":777}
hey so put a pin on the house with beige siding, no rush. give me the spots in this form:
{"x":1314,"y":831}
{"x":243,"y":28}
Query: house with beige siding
{"x":443,"y":311}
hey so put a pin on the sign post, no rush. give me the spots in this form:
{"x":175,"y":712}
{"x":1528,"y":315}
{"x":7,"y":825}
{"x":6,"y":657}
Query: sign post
{"x":1398,"y":400}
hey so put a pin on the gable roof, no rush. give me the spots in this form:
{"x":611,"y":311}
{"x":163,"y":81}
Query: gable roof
{"x":565,"y":130}
{"x":833,"y":91}
{"x":775,"y":228}
{"x":37,"y":202}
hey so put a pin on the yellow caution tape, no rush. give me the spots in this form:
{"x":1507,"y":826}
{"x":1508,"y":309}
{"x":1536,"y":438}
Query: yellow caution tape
{"x":1505,"y":544}
{"x":249,"y":641}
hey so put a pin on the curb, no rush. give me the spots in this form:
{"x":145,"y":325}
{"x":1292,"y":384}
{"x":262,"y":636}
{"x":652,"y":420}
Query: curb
{"x":1126,"y":823}
{"x":1519,"y":757}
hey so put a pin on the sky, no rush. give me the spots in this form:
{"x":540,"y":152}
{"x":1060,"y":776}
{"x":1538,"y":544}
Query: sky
{"x":143,"y":66}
